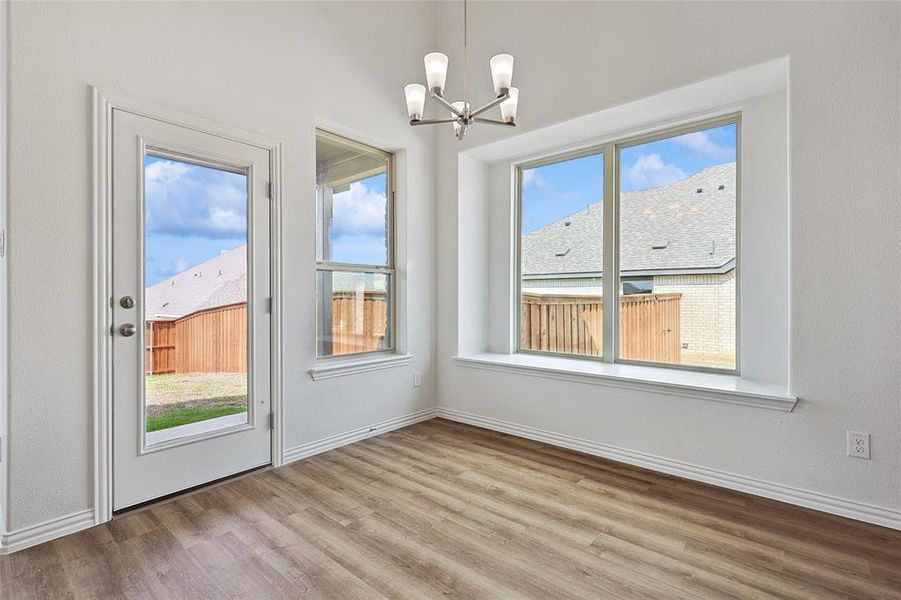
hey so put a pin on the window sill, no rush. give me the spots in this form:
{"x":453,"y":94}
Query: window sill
{"x":671,"y":382}
{"x":330,"y":370}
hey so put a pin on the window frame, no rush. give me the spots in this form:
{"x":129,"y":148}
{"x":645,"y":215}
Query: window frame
{"x":611,"y":235}
{"x":389,"y":269}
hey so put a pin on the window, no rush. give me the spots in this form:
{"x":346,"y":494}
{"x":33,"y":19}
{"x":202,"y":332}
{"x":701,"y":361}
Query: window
{"x":562,"y":256}
{"x":637,"y":285}
{"x":668,"y":238}
{"x":355,"y":276}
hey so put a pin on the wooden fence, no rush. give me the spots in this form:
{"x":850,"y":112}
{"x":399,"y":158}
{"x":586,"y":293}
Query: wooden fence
{"x":356,"y":330}
{"x":159,"y":340}
{"x":207,"y":341}
{"x":649,"y":325}
{"x":215,"y":340}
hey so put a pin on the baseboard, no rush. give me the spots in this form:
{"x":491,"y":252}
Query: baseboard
{"x":56,"y":528}
{"x":46,"y":531}
{"x":846,"y":508}
{"x":349,"y":437}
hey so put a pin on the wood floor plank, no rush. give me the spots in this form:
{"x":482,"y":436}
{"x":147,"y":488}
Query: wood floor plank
{"x":442,"y":509}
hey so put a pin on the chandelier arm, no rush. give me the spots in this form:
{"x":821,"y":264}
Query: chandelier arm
{"x":433,"y":121}
{"x":494,"y":122}
{"x":491,"y":104}
{"x":447,"y":104}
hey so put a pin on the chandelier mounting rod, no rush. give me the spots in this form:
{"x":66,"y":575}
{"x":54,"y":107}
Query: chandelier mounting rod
{"x":465,"y":56}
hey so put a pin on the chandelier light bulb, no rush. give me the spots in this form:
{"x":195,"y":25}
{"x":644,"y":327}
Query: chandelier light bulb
{"x":462,"y":107}
{"x":415,"y":94}
{"x":435,"y":70}
{"x":501,"y":72}
{"x":463,"y":115}
{"x":508,"y":106}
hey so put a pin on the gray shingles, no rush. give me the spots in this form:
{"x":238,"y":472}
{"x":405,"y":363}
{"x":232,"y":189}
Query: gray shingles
{"x":218,"y":281}
{"x":697,"y":230}
{"x":222,"y":280}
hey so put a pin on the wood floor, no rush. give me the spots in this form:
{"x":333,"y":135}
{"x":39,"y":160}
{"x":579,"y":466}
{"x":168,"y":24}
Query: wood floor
{"x":442,"y":509}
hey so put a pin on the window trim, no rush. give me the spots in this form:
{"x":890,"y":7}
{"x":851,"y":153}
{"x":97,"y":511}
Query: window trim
{"x":389,"y":269}
{"x":611,"y":250}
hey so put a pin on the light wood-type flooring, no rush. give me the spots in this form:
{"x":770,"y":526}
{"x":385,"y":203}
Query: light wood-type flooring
{"x":441,"y":509}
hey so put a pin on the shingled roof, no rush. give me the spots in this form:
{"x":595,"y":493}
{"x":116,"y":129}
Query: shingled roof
{"x":672,"y":228}
{"x":222,"y":280}
{"x":219,"y":281}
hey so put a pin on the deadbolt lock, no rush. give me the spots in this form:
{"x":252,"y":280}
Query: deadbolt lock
{"x":127,"y":302}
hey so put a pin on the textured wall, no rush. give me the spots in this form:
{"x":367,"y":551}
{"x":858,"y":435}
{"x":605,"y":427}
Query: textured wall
{"x":270,"y":68}
{"x":845,"y":172}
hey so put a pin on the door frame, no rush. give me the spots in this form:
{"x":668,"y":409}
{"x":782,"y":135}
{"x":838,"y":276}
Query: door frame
{"x":104,"y":104}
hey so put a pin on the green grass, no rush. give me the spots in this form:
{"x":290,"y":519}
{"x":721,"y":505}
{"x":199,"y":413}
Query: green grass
{"x":175,"y":399}
{"x":179,"y":388}
{"x":183,"y":416}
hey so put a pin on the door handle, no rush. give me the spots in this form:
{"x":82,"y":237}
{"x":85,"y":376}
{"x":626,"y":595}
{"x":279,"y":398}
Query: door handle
{"x":128,"y":329}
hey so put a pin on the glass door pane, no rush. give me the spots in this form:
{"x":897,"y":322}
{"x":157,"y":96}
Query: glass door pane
{"x":195,"y":298}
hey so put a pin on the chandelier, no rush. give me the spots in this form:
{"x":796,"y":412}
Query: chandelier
{"x":461,"y":114}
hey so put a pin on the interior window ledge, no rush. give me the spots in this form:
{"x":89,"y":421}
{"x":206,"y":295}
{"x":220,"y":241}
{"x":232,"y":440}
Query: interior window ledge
{"x":330,"y":370}
{"x":671,"y":382}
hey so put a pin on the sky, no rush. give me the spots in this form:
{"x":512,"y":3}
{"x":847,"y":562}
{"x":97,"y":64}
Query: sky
{"x":192,"y":213}
{"x":358,"y":233}
{"x":554,"y":191}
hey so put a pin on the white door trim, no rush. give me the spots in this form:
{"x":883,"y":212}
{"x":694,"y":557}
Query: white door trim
{"x":4,"y":283}
{"x":104,"y":104}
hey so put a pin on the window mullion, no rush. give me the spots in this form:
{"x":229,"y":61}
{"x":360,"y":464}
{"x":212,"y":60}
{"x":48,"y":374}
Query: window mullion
{"x":610,"y":279}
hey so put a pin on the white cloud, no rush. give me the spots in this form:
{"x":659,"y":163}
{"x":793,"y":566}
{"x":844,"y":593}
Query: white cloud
{"x":165,"y":171}
{"x":225,"y":219}
{"x":358,"y":211}
{"x":700,"y":142}
{"x":650,"y":171}
{"x":183,"y":199}
{"x":532,"y":179}
{"x":180,"y":264}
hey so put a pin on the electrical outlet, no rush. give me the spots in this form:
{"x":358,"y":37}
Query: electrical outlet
{"x":417,"y":379}
{"x":858,"y":444}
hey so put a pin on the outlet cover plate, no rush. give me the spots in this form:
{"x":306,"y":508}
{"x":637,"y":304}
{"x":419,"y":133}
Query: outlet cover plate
{"x":858,"y":444}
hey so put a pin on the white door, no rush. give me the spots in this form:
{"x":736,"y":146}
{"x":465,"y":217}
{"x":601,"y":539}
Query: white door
{"x":190,"y":305}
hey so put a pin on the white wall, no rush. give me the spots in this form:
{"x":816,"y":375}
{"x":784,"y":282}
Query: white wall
{"x":271,"y":68}
{"x":844,"y":132}
{"x":473,"y":213}
{"x":763,"y":247}
{"x":4,"y":177}
{"x":277,"y":68}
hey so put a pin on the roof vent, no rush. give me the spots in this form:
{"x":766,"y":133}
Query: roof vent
{"x":562,"y":254}
{"x":660,"y":245}
{"x":722,"y":187}
{"x":699,"y":190}
{"x":567,"y":223}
